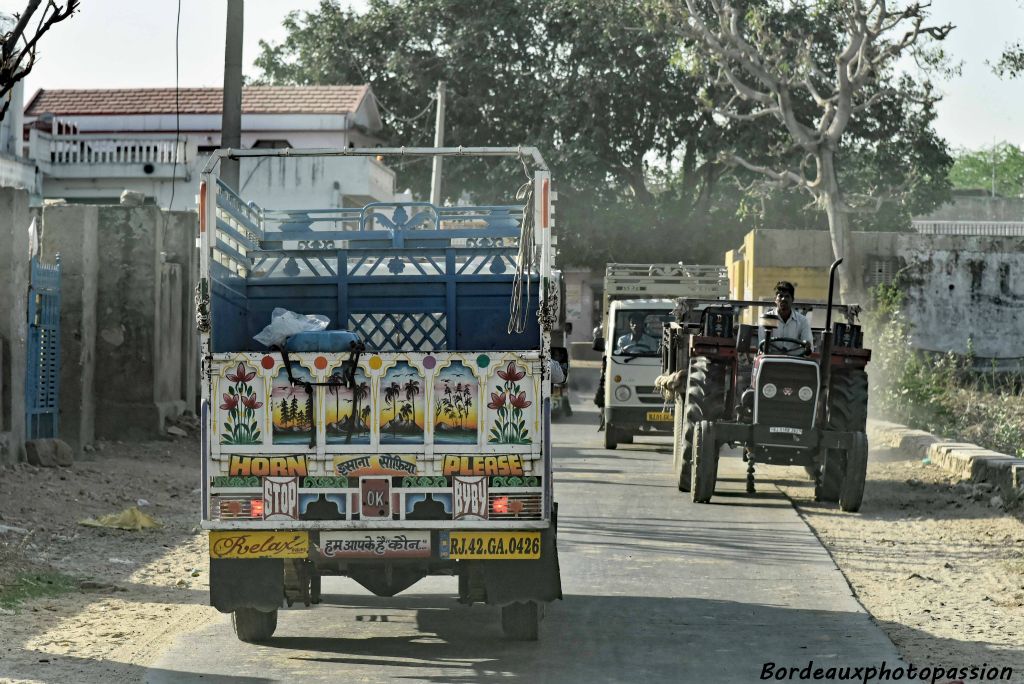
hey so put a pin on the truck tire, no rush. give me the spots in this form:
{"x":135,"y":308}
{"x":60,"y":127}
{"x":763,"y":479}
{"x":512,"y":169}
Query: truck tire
{"x":253,"y":626}
{"x":705,"y":462}
{"x":705,"y":400}
{"x":610,"y":436}
{"x":851,"y":493}
{"x":521,"y":621}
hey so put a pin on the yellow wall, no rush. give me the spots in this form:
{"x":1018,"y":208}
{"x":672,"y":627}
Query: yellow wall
{"x":754,"y":267}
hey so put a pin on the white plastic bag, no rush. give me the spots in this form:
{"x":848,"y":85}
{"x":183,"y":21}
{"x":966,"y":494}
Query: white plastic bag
{"x":285,"y":323}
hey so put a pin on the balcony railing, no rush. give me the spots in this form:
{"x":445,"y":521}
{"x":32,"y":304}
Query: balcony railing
{"x":80,"y":149}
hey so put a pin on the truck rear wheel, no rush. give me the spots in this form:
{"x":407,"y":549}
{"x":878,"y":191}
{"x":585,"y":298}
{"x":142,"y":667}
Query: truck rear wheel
{"x":705,"y":399}
{"x":705,"y":462}
{"x":851,"y":493}
{"x":521,"y":621}
{"x":253,"y":626}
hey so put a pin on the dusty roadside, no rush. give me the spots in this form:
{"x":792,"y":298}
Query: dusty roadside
{"x":126,"y":593}
{"x":935,"y":563}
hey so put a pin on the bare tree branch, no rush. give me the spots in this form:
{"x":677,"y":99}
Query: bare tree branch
{"x":16,"y":61}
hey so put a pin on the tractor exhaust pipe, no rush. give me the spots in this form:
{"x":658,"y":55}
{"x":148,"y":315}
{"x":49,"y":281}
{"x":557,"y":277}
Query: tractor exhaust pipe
{"x":826,"y":344}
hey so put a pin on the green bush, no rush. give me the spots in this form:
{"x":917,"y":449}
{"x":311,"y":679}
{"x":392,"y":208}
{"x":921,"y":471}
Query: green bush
{"x":941,"y":393}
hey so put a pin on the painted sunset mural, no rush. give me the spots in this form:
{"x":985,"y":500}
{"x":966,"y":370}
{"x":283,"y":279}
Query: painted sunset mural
{"x":401,"y":411}
{"x":292,"y":407}
{"x":340,"y":402}
{"x":455,"y":405}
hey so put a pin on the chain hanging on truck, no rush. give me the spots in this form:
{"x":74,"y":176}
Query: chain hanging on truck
{"x":519,"y":304}
{"x":202,"y":300}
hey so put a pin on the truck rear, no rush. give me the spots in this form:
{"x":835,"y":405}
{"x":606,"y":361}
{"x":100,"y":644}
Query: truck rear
{"x":412,"y":437}
{"x":638,"y":302}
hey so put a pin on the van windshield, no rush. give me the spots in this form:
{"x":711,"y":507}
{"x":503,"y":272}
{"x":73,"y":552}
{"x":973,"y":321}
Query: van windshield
{"x":638,"y":331}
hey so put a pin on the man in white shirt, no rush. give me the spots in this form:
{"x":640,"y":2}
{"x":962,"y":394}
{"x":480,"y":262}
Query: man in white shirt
{"x":792,"y":324}
{"x":636,"y":341}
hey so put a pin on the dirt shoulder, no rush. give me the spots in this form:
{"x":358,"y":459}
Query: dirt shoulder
{"x":121,"y":595}
{"x":938,"y":567}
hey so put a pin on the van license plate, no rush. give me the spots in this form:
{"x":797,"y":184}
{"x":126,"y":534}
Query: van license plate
{"x":489,"y":545}
{"x":787,"y":430}
{"x":659,"y":416}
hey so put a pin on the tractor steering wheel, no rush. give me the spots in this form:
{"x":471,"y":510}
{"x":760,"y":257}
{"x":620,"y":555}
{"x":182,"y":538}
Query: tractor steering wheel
{"x":779,"y":350}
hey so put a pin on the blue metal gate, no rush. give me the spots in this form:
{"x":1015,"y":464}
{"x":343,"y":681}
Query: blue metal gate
{"x":42,"y":376}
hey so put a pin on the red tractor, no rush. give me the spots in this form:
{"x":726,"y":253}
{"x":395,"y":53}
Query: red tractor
{"x":780,"y":402}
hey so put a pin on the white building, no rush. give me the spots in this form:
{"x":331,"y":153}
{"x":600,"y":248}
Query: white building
{"x":90,"y":145}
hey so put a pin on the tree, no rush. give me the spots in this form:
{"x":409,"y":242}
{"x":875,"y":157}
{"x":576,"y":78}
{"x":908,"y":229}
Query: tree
{"x":18,"y":43}
{"x":999,"y":170}
{"x":783,"y":62}
{"x":587,"y":81}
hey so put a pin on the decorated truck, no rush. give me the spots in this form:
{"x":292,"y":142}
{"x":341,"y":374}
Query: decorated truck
{"x":409,"y":438}
{"x":638,"y":302}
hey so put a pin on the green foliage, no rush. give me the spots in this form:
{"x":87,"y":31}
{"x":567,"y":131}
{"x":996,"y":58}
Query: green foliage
{"x":940,"y":393}
{"x":973,"y":170}
{"x":611,"y":96}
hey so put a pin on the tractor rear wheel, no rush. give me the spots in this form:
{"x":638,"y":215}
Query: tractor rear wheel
{"x":851,"y":493}
{"x":847,"y":412}
{"x":704,"y":400}
{"x":705,"y":462}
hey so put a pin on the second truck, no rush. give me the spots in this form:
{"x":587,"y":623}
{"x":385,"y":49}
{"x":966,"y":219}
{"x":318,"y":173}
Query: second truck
{"x":638,"y":301}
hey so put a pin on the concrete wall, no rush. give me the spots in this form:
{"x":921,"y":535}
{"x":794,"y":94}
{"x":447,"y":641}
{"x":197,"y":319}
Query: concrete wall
{"x":128,"y":346}
{"x":955,"y":286}
{"x":72,"y":231}
{"x":14,"y":274}
{"x":978,"y":209}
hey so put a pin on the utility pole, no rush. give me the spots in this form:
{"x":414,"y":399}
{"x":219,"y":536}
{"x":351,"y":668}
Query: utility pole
{"x":435,"y":177}
{"x":231,"y":117}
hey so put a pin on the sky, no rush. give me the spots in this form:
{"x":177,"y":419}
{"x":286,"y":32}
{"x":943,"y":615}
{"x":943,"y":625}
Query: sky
{"x":130,"y":44}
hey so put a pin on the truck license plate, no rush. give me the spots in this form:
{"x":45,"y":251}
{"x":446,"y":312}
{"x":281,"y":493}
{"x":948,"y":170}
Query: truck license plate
{"x":659,"y":416}
{"x":489,"y":545}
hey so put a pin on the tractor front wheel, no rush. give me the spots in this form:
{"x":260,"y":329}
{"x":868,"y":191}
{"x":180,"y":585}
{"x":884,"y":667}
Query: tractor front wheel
{"x":705,"y":462}
{"x":610,"y":436}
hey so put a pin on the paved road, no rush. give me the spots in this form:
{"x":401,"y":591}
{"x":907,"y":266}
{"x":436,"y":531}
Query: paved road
{"x":657,"y":589}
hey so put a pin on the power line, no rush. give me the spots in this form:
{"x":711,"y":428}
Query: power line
{"x":426,"y":110}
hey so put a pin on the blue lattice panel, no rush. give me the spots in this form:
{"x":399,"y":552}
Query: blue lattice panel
{"x":42,"y":378}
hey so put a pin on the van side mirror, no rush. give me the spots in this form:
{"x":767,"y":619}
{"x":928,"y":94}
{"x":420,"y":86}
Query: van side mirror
{"x":599,"y":344}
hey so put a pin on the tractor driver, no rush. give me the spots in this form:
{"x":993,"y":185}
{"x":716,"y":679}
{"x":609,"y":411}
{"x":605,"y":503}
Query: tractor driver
{"x":792,"y":324}
{"x":636,"y":340}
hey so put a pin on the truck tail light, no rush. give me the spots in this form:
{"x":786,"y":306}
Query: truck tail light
{"x":242,"y":507}
{"x":500,"y":504}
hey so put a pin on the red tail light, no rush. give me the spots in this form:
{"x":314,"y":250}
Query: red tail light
{"x":500,"y":504}
{"x":257,"y":508}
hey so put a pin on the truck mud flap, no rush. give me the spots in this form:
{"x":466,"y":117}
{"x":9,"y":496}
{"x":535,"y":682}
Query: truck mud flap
{"x":246,"y":583}
{"x":513,"y":581}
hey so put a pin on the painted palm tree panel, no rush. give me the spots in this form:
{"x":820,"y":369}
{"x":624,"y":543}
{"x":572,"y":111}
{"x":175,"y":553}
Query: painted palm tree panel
{"x":401,"y":407}
{"x":512,"y":405}
{"x":341,"y":403}
{"x":456,"y":397}
{"x":292,"y":408}
{"x":241,"y":415}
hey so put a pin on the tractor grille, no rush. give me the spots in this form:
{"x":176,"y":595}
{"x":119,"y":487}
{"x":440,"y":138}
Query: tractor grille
{"x":778,"y":401}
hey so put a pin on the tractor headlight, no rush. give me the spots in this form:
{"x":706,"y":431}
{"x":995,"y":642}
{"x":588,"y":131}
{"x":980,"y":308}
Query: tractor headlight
{"x":769,"y":390}
{"x":622,"y":393}
{"x":805,"y":393}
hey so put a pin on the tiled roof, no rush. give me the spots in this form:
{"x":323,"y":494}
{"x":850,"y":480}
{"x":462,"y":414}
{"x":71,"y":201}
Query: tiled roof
{"x":255,"y":100}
